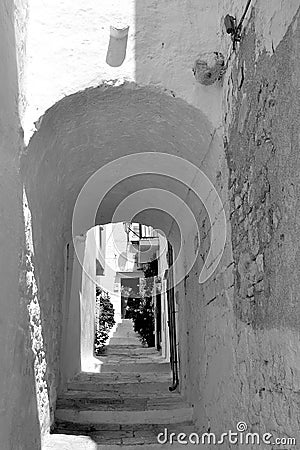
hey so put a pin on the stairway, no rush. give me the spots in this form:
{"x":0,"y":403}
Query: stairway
{"x":126,"y":405}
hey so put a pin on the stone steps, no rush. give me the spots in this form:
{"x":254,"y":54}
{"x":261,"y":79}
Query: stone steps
{"x":124,"y":335}
{"x":120,"y":391}
{"x":130,"y":349}
{"x":85,"y":429}
{"x":114,"y":437}
{"x":110,"y":394}
{"x":122,"y":377}
{"x":162,"y":415}
{"x":125,"y":388}
{"x":93,"y":401}
{"x":122,"y":383}
{"x":79,"y":400}
{"x":126,"y":405}
{"x":148,"y":367}
{"x":120,"y":341}
{"x":130,"y":357}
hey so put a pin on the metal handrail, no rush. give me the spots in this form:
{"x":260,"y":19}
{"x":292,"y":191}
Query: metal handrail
{"x":172,"y":323}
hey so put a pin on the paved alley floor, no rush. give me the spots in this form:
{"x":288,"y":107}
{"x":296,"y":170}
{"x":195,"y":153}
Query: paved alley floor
{"x":126,"y":405}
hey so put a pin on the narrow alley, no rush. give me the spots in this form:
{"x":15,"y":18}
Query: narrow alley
{"x":127,"y":403}
{"x":150,"y":181}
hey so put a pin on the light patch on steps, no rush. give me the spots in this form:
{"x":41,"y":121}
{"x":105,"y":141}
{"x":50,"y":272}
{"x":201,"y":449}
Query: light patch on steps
{"x":162,"y":416}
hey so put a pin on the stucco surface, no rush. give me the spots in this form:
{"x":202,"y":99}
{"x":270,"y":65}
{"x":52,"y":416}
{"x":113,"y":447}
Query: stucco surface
{"x":164,"y":41}
{"x":239,"y":331}
{"x":78,"y":307}
{"x":19,"y":423}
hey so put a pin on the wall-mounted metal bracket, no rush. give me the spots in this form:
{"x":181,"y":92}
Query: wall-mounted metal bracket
{"x":232,"y":28}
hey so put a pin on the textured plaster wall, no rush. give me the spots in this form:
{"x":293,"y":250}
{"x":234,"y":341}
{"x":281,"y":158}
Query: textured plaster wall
{"x":116,"y":244}
{"x":163,"y":42}
{"x":21,"y":13}
{"x":19,"y":420}
{"x":71,"y":335}
{"x":162,"y":266}
{"x":223,"y":356}
{"x":88,"y":299}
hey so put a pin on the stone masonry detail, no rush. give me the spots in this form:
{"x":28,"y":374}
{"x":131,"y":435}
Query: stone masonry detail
{"x":262,"y":149}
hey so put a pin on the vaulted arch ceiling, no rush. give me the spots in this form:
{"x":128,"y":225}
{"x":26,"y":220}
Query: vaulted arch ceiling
{"x":130,"y":139}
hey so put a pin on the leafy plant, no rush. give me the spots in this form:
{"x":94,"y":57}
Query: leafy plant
{"x":126,"y":291}
{"x":142,"y":313}
{"x":104,"y":319}
{"x":143,"y":319}
{"x":150,"y":269}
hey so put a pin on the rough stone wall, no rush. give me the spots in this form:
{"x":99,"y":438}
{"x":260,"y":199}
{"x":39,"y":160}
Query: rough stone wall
{"x":263,"y":157}
{"x":246,"y":333}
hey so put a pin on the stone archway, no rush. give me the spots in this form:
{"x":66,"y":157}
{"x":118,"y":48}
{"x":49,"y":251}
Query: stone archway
{"x":77,"y":137}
